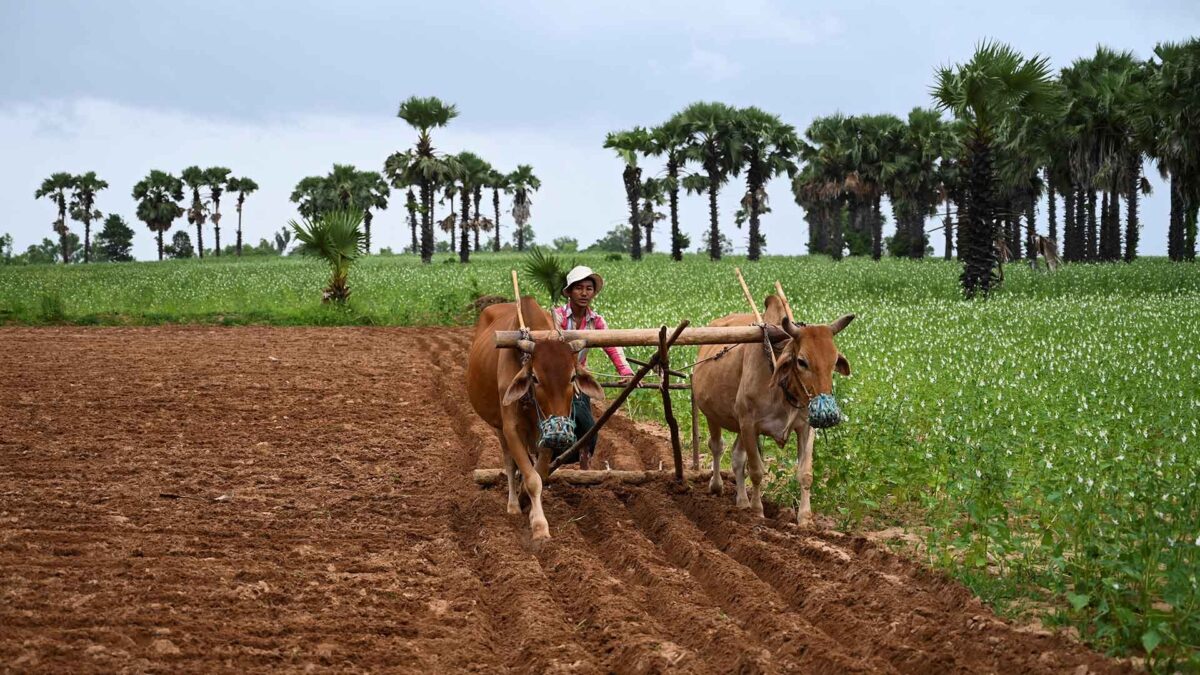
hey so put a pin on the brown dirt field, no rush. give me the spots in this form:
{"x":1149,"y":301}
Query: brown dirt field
{"x":351,"y":536}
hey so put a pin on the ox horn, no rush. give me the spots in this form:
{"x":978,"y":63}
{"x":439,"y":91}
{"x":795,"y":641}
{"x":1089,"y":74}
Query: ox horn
{"x":525,"y":346}
{"x":837,"y":326}
{"x":577,"y":345}
{"x":792,"y":329}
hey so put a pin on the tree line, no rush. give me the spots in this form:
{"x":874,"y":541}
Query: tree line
{"x":1018,"y":133}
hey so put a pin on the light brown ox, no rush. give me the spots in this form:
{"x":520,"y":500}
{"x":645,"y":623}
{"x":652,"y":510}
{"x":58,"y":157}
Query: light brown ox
{"x":743,"y":391}
{"x":498,"y":384}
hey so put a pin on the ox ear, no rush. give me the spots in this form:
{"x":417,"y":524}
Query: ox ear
{"x":774,"y":312}
{"x":837,"y":326}
{"x":519,"y":387}
{"x":588,"y":385}
{"x":842,"y":365}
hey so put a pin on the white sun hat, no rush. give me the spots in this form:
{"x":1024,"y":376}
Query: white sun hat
{"x":581,"y":272}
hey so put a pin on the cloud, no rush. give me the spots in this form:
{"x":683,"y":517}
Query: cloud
{"x":713,"y":65}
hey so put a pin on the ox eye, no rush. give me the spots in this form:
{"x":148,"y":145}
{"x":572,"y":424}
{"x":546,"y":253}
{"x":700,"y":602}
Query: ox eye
{"x":802,"y":362}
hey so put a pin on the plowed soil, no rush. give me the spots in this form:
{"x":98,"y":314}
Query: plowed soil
{"x":199,"y":499}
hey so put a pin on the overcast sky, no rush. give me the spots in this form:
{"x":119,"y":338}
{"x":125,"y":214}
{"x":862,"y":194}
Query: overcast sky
{"x":280,"y":90}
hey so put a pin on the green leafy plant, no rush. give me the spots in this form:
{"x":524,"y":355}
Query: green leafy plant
{"x":337,"y":238}
{"x":547,"y":270}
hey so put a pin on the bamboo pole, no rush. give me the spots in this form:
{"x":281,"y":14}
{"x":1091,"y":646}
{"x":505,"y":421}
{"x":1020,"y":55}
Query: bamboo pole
{"x":636,"y":362}
{"x":488,"y":477}
{"x":612,"y":408}
{"x":674,"y":386}
{"x":746,"y":292}
{"x":648,"y":337}
{"x":517,"y":297}
{"x":664,"y":367}
{"x":695,"y":432}
{"x":787,"y":307}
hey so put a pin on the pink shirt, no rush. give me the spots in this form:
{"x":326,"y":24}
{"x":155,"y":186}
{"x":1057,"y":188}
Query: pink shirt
{"x":593,"y":321}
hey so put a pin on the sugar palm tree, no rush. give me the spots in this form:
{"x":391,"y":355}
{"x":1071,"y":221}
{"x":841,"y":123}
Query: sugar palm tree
{"x":158,"y":195}
{"x":652,"y":194}
{"x":522,"y":182}
{"x":910,"y":175}
{"x":424,"y":115}
{"x":473,"y":173}
{"x":311,"y":196}
{"x":369,"y":191}
{"x":398,"y":168}
{"x":713,"y":143}
{"x":822,"y":186}
{"x":992,"y":93}
{"x":498,"y":182}
{"x":670,"y":140}
{"x":628,"y":144}
{"x":217,"y":180}
{"x":1172,"y":129}
{"x":55,"y":187}
{"x":768,"y":148}
{"x":83,"y":207}
{"x":336,"y":237}
{"x":242,"y":186}
{"x":194,"y":178}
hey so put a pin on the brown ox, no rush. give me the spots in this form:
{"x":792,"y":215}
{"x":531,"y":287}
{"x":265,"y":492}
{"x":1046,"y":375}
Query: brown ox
{"x":526,"y":395}
{"x":748,"y":393}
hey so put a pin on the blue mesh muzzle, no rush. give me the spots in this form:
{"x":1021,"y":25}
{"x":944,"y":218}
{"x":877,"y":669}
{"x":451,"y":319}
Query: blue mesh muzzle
{"x":823,"y":412}
{"x":558,"y":433}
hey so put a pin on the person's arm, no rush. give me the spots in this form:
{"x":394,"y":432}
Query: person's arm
{"x":615,"y":354}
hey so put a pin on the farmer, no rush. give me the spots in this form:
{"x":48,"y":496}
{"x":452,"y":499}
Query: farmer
{"x":583,"y":285}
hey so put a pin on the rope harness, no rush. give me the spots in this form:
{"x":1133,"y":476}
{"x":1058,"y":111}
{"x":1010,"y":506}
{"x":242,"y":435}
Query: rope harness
{"x":555,"y":431}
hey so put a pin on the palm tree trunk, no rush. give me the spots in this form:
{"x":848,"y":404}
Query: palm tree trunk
{"x":160,"y":245}
{"x":367,"y":230}
{"x":1189,"y":231}
{"x":496,"y":208}
{"x":1051,"y":209}
{"x":475,"y":221}
{"x":632,"y":177}
{"x":216,"y":221}
{"x":714,"y":231}
{"x":753,"y":185}
{"x":877,"y":229}
{"x":1105,"y":227}
{"x":1081,"y":240}
{"x":411,"y":205}
{"x":426,"y":225}
{"x":87,"y":236}
{"x":520,"y":198}
{"x":960,"y":236}
{"x":464,"y":236}
{"x":1131,"y":208}
{"x":1093,"y":250}
{"x":1175,"y":229}
{"x":1069,"y":225}
{"x":1030,"y":228}
{"x":673,"y":197}
{"x":979,"y":258}
{"x":1114,"y":227}
{"x":239,"y":232}
{"x":648,"y":209}
{"x":948,"y":232}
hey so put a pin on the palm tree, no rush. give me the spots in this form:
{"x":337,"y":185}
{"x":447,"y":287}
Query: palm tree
{"x":424,"y":115}
{"x":821,"y":188}
{"x":336,"y":238}
{"x":194,"y":178}
{"x":83,"y":207}
{"x":55,"y":187}
{"x":158,"y":195}
{"x":1172,"y":127}
{"x":653,"y":194}
{"x":473,"y":173}
{"x":311,"y":196}
{"x":992,"y":94}
{"x":370,"y":191}
{"x":628,"y":144}
{"x":398,"y":168}
{"x":911,"y":178}
{"x":522,"y":182}
{"x":498,"y":182}
{"x":217,"y":180}
{"x":670,"y":140}
{"x":713,"y":143}
{"x":768,"y":147}
{"x":242,"y":186}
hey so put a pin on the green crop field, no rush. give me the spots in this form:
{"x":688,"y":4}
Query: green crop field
{"x":1042,"y":443}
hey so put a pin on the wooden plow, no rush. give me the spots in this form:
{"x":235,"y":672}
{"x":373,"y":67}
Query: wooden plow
{"x":683,"y":335}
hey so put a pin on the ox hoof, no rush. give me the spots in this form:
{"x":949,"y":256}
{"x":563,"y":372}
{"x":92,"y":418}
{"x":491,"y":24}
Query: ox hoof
{"x":514,"y":508}
{"x":541,"y":531}
{"x":716,"y":487}
{"x":805,"y":520}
